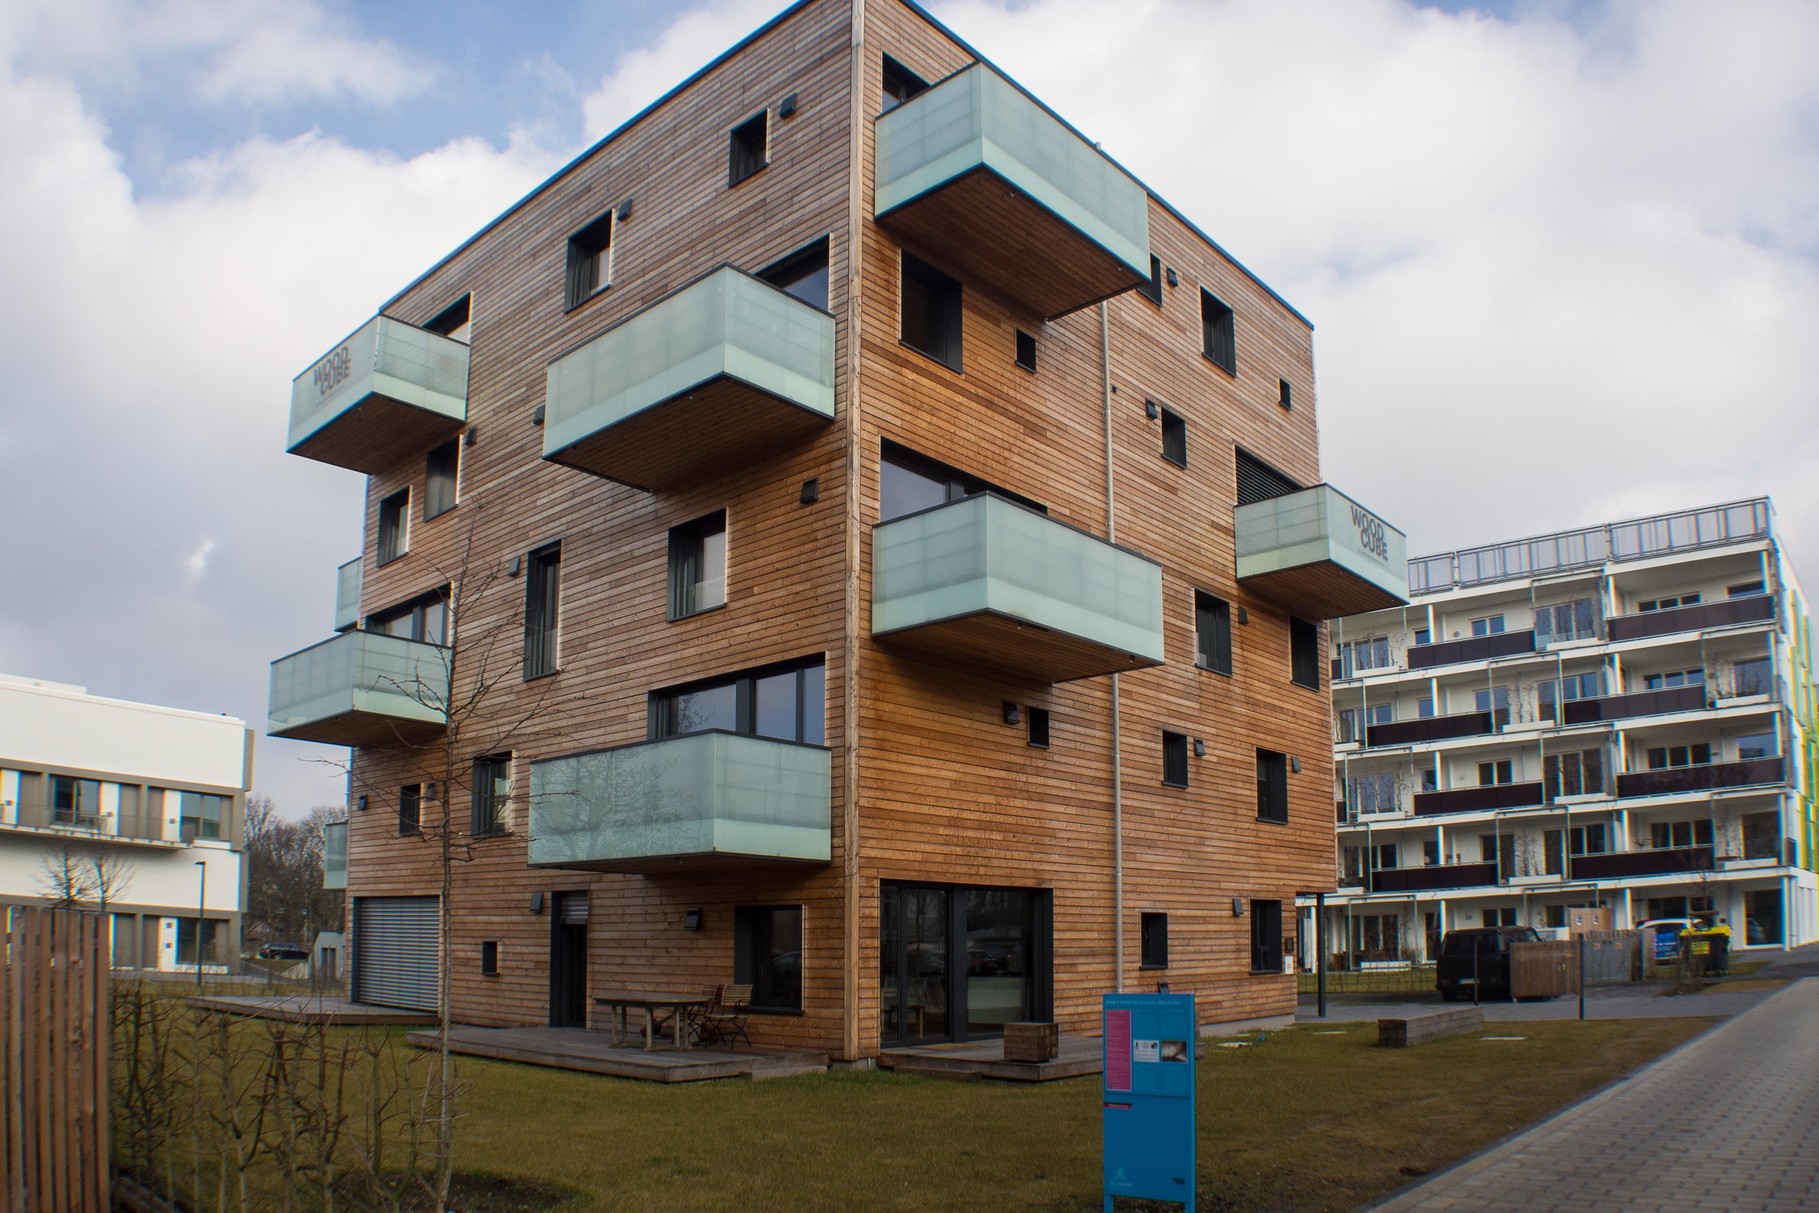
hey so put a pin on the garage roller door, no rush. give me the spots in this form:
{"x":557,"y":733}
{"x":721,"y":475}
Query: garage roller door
{"x":395,"y":952}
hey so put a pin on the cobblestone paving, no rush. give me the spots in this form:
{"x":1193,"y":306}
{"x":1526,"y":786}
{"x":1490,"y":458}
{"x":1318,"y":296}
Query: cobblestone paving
{"x":1730,"y":1121}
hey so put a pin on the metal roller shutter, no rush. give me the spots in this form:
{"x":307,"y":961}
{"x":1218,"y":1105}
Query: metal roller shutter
{"x":395,"y":952}
{"x":571,"y":909}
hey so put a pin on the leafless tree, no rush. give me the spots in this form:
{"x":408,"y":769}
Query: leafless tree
{"x":73,"y":876}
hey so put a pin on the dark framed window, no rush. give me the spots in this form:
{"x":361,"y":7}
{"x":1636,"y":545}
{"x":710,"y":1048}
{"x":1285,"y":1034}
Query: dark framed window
{"x":1212,"y":633}
{"x":1038,"y":718}
{"x":441,"y":477}
{"x":1697,"y":754}
{"x":492,"y":787}
{"x":900,"y":84}
{"x":1266,"y":936}
{"x":1174,"y":438}
{"x":207,"y":949}
{"x":802,"y":273}
{"x":748,"y":148}
{"x":1220,"y":335}
{"x":1153,"y":932}
{"x":1681,"y":833}
{"x":1746,"y":589}
{"x":1286,"y":398}
{"x":542,"y":590}
{"x":1304,"y":653}
{"x":394,"y":526}
{"x":1496,"y":701}
{"x":787,"y":703}
{"x":767,"y":955}
{"x":1493,"y":774}
{"x":1026,"y":350}
{"x":201,"y":814}
{"x":422,"y":618}
{"x":455,"y":321}
{"x":1174,"y":759}
{"x":77,"y":802}
{"x":410,"y":808}
{"x":908,"y":482}
{"x":1574,"y":773}
{"x":931,"y":312}
{"x":697,"y":565}
{"x":1152,"y":290}
{"x":590,"y":261}
{"x":1272,"y":786}
{"x":489,"y":958}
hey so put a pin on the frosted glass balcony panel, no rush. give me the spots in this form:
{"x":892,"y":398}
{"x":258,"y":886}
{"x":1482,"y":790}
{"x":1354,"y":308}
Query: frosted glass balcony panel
{"x":977,"y":173}
{"x":704,"y":381}
{"x":390,"y":391}
{"x":347,"y":595}
{"x":1320,"y":554}
{"x":360,"y":689}
{"x":706,"y":799}
{"x":985,"y":581}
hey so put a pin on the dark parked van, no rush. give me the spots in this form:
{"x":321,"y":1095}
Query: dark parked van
{"x":1483,"y":954}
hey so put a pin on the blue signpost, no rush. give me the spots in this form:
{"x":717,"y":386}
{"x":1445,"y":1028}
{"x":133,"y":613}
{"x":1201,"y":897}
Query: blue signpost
{"x":1148,"y":1105}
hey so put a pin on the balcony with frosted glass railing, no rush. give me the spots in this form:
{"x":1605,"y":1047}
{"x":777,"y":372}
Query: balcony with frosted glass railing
{"x":985,"y":179}
{"x":1320,"y":554}
{"x":985,"y":582}
{"x":347,"y":595}
{"x":334,"y":855}
{"x":361,"y":689}
{"x":709,"y":379}
{"x":691,"y":803}
{"x":388,"y":392}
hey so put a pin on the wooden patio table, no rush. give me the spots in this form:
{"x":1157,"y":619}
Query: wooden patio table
{"x":678,"y":1004}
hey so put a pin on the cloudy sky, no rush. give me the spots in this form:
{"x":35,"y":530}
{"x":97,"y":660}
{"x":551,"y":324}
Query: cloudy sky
{"x":1563,"y":260}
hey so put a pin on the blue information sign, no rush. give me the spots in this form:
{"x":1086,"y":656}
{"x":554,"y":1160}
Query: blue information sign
{"x":1148,"y":1106}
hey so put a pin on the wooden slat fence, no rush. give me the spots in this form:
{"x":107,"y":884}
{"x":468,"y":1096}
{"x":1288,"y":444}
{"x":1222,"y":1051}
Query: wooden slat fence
{"x":53,"y":1062}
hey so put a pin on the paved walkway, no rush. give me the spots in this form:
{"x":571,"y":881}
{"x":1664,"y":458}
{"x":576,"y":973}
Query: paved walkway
{"x":1728,"y":1121}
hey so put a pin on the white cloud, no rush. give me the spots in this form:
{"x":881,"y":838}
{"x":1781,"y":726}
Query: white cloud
{"x":197,"y":562}
{"x":641,"y":76}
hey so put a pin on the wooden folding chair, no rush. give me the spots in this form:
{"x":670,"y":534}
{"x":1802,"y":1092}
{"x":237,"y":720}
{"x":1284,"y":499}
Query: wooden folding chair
{"x":725,"y":1022}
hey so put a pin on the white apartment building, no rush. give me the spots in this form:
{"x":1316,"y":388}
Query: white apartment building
{"x":1619,"y":717}
{"x":152,"y":797}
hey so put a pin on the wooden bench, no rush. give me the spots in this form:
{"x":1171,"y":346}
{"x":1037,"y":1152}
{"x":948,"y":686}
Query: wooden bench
{"x":1419,"y":1029}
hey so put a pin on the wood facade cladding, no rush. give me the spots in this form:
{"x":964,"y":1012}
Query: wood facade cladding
{"x":968,"y":878}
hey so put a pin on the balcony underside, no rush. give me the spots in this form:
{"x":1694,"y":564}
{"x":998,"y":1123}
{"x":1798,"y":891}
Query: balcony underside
{"x":1003,"y":645}
{"x":716,"y":427}
{"x":1321,"y":591}
{"x":363,"y":728}
{"x":377,"y":433}
{"x":986,"y":230}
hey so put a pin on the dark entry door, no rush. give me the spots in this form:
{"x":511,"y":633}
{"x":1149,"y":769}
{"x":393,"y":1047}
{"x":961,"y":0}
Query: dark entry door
{"x":568,"y":961}
{"x":959,"y":962}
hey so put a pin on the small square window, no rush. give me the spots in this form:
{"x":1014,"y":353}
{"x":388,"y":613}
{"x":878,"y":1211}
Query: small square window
{"x":1221,"y":341}
{"x":1038,"y":718}
{"x":1152,"y":290}
{"x":1212,"y":633}
{"x":489,"y":958}
{"x":697,"y":566}
{"x":931,"y":312}
{"x":1304,"y":653}
{"x":394,"y":526}
{"x":1154,"y":935}
{"x":1174,"y":438}
{"x":590,"y":260}
{"x":410,"y":810}
{"x":1272,"y":786}
{"x":441,"y":474}
{"x":1026,"y":350}
{"x":1174,"y":759}
{"x":749,"y":148}
{"x":1287,"y":398}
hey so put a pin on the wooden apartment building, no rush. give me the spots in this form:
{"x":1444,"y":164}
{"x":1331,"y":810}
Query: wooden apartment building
{"x":852,"y":538}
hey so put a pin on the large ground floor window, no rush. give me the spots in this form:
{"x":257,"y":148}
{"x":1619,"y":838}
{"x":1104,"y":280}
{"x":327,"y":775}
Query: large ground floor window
{"x":958,"y":962}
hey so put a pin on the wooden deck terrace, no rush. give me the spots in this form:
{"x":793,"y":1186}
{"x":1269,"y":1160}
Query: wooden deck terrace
{"x":312,"y":1009}
{"x":1077,"y":1056}
{"x":594,"y":1053}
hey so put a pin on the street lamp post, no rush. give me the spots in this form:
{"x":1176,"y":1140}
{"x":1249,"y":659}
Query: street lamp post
{"x":201,"y":906}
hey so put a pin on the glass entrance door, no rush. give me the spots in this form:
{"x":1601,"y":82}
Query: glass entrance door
{"x":957,"y":963}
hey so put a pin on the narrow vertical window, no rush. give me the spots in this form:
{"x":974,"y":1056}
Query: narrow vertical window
{"x":1266,"y":936}
{"x":410,"y":808}
{"x":1152,"y":290}
{"x":1212,"y":633}
{"x":931,"y":312}
{"x":748,"y":149}
{"x":1304,"y":653}
{"x":1221,"y":342}
{"x":767,"y":954}
{"x":1026,"y":350}
{"x":1287,"y":397}
{"x":1174,"y":438}
{"x":441,"y":471}
{"x":1154,"y":936}
{"x":542,"y":585}
{"x":1038,"y":718}
{"x":1174,"y":759}
{"x":590,"y":260}
{"x":1272,"y":786}
{"x":697,"y":565}
{"x":489,"y":958}
{"x":394,"y":526}
{"x":491,"y":789}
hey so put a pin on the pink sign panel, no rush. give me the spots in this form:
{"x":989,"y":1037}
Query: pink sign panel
{"x":1117,"y":1050}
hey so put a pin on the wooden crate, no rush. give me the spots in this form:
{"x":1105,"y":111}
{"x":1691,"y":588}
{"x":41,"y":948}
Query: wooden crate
{"x":1031,"y":1041}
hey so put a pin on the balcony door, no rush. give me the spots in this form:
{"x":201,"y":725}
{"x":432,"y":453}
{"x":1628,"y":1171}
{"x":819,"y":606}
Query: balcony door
{"x":568,"y":961}
{"x":959,"y":962}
